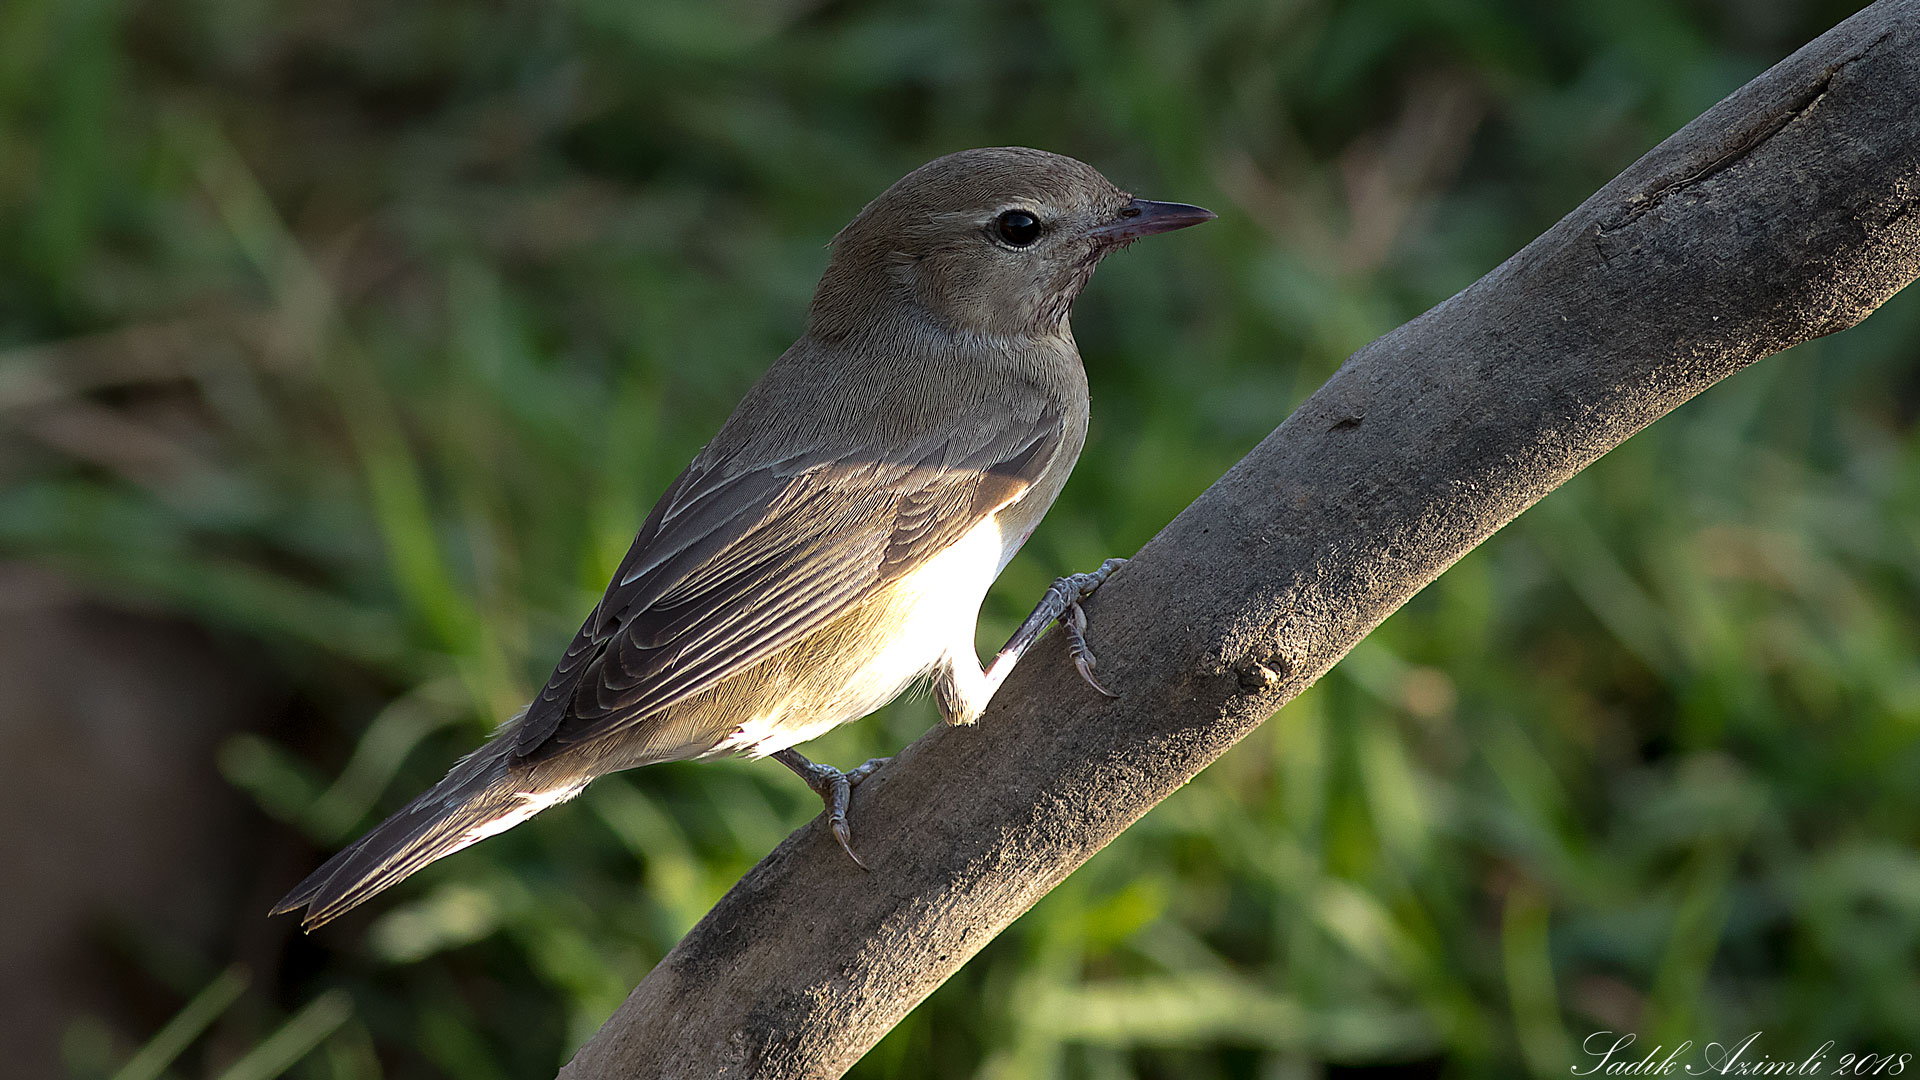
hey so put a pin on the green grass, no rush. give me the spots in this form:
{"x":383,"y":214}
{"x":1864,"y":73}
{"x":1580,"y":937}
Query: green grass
{"x":369,"y":333}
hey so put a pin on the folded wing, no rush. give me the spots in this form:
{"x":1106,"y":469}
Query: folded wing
{"x":734,"y":565}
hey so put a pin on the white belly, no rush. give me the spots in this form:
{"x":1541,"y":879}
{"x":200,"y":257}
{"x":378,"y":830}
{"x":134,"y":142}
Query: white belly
{"x":939,"y":605}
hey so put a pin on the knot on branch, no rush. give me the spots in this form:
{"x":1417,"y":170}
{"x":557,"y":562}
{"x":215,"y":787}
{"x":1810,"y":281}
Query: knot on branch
{"x":1256,"y":676}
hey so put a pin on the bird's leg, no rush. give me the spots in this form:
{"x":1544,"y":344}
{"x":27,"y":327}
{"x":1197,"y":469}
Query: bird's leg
{"x":1061,"y":604}
{"x":963,"y":693}
{"x":834,"y":788}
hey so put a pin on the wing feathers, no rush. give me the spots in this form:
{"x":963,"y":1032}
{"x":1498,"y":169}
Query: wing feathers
{"x":731,"y":568}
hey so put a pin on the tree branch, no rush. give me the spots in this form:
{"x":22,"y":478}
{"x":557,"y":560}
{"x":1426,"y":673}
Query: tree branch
{"x":1786,"y":212}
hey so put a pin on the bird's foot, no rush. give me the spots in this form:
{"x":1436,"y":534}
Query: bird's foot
{"x":1062,"y":604}
{"x":835,"y":788}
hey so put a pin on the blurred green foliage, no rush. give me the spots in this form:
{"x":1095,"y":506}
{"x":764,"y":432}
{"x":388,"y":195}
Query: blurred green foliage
{"x":370,"y":332}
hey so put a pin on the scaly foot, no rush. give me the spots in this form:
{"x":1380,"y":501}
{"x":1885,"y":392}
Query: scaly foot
{"x":835,"y":788}
{"x":1060,"y":604}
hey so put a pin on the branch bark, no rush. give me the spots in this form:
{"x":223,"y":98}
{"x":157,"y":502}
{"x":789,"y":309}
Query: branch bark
{"x":1785,"y":212}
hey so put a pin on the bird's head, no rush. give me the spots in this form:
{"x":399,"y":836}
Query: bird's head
{"x":991,"y":243}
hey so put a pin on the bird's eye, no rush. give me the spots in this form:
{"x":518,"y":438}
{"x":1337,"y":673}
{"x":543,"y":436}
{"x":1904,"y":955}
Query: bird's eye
{"x":1017,"y":227}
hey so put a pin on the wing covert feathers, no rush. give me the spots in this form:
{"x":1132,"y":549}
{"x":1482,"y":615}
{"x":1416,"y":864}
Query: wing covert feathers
{"x":733,"y":566}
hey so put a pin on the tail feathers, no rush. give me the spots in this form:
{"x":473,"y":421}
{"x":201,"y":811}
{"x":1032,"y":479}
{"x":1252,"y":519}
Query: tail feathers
{"x":478,"y":799}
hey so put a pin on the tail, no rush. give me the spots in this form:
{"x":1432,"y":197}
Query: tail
{"x":485,"y":794}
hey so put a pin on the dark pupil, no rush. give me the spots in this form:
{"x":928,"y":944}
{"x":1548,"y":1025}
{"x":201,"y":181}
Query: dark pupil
{"x":1019,"y":228}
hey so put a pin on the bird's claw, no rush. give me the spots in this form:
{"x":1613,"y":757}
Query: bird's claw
{"x":1075,"y":622}
{"x":1061,"y":604}
{"x":1074,"y":618}
{"x":835,"y":789}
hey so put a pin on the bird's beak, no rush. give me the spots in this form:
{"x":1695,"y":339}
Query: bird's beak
{"x":1144,"y":217}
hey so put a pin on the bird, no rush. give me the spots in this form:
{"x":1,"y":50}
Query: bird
{"x":831,"y":546}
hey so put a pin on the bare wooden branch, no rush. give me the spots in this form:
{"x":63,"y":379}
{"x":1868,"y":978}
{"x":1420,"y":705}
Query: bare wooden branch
{"x":1786,"y":212}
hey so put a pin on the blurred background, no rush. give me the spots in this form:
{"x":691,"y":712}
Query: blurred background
{"x":344,"y":346}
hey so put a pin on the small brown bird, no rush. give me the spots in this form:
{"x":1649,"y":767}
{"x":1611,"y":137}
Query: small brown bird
{"x":832,"y":544}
